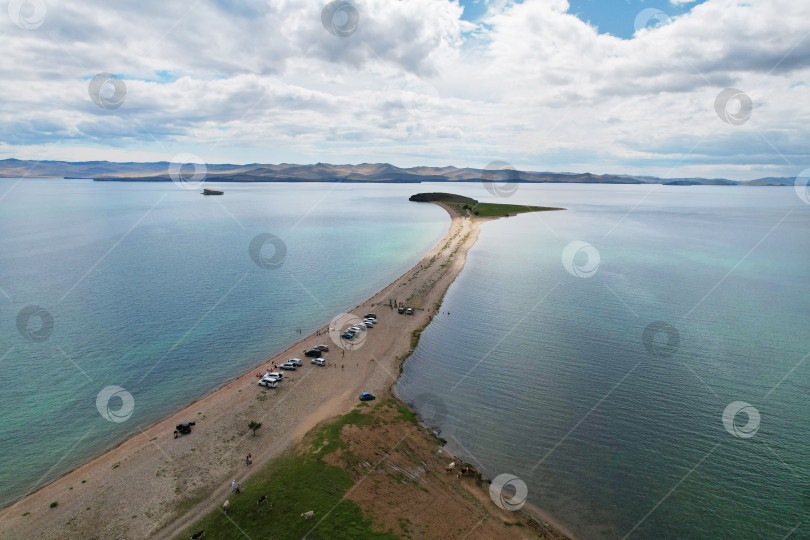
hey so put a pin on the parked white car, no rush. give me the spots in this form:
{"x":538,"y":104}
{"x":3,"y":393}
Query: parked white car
{"x":295,"y":361}
{"x":269,"y":383}
{"x":319,"y":361}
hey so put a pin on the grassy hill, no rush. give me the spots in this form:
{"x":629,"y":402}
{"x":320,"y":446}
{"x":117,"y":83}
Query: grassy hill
{"x":372,"y":473}
{"x":467,"y":206}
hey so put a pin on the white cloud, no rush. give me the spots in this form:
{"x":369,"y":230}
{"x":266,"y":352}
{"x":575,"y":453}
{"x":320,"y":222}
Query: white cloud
{"x":531,"y":83}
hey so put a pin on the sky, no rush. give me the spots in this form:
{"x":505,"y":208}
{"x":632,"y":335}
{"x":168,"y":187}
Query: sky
{"x":669,"y":88}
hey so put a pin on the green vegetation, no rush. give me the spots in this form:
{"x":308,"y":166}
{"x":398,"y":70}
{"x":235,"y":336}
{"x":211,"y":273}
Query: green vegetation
{"x":466,"y":206}
{"x":407,"y":415}
{"x":253,"y":426}
{"x":293,"y":485}
{"x":54,"y":504}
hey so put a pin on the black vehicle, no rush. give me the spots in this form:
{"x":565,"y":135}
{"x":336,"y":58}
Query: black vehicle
{"x":401,"y":310}
{"x":184,"y":428}
{"x":322,"y":348}
{"x":347,"y":335}
{"x":370,"y":316}
{"x":313,"y":353}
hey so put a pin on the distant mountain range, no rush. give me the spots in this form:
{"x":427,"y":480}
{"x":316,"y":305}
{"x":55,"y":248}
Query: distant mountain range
{"x":325,"y":172}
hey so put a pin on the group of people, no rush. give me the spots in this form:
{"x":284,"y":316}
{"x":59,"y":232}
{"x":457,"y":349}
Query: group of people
{"x":235,"y":488}
{"x":249,"y":459}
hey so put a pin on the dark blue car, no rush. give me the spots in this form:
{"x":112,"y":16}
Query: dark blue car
{"x":367,"y":396}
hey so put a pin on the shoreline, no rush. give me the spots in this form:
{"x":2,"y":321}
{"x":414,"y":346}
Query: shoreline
{"x":222,"y":386}
{"x":144,"y":488}
{"x":192,"y":403}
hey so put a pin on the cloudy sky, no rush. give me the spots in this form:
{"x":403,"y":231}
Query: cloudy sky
{"x":604,"y":86}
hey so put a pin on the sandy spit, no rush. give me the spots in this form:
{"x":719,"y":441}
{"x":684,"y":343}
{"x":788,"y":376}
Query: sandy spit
{"x":153,"y":485}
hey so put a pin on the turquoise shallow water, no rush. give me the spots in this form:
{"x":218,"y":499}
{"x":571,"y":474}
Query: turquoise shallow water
{"x":151,"y":288}
{"x":542,"y":374}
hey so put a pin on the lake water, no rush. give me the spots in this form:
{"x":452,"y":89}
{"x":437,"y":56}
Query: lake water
{"x":536,"y":371}
{"x":151,"y":288}
{"x":544,"y":373}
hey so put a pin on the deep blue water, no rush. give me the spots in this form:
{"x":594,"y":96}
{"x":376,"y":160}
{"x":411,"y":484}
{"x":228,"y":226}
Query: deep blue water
{"x":542,"y":374}
{"x":151,"y":288}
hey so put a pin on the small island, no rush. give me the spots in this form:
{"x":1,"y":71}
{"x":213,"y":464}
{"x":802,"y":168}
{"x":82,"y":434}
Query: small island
{"x":469,"y":207}
{"x":207,"y":191}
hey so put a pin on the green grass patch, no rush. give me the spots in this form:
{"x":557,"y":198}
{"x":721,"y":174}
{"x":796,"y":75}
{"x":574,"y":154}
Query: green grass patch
{"x":407,"y":415}
{"x":327,"y":439}
{"x":467,"y":206}
{"x":295,"y":484}
{"x":415,"y":335}
{"x":501,"y":210}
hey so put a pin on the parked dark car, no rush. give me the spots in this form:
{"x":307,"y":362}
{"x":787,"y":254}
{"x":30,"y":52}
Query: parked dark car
{"x":347,"y":335}
{"x":322,"y":348}
{"x":401,"y":310}
{"x":313,"y":353}
{"x":370,"y":316}
{"x":367,"y":396}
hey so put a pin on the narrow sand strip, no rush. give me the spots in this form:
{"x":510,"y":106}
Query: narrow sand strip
{"x":153,"y":485}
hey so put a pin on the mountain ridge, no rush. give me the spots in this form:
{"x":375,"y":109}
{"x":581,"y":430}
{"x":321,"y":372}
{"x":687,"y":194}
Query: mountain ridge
{"x":158,"y":171}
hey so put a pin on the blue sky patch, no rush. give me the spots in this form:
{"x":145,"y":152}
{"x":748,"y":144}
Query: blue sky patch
{"x":618,"y":17}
